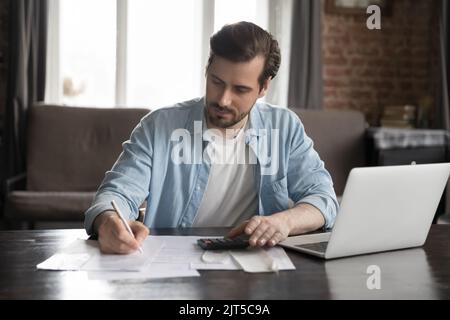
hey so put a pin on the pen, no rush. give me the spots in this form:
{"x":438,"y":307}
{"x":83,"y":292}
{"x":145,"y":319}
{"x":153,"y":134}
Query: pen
{"x":127,"y":226}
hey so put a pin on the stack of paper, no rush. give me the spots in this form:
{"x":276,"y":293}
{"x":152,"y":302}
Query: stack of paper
{"x":163,"y":256}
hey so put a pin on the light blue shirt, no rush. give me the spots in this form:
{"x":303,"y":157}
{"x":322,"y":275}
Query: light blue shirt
{"x":163,"y":163}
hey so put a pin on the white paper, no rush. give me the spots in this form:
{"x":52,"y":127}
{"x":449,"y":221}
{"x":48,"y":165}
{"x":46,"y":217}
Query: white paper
{"x":179,"y":249}
{"x":163,"y":257}
{"x":262,"y":260}
{"x":184,"y":249}
{"x":65,"y":261}
{"x":173,"y":260}
{"x":153,"y":271}
{"x":216,"y":260}
{"x":281,"y":257}
{"x":125,"y":262}
{"x":86,"y":255}
{"x":72,"y":257}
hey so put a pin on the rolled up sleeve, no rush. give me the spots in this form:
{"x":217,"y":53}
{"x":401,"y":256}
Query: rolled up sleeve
{"x":127,"y":183}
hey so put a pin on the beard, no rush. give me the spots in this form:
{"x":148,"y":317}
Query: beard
{"x":223,"y":116}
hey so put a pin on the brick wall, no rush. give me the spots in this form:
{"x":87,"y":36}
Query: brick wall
{"x":367,"y":69}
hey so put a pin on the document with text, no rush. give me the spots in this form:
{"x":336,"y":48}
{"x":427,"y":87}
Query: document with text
{"x":163,"y":257}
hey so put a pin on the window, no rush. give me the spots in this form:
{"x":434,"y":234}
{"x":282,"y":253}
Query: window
{"x":164,"y":58}
{"x":136,"y":53}
{"x":227,"y":11}
{"x":88,"y":51}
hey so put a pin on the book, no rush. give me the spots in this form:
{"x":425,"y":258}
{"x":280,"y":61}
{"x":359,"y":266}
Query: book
{"x":401,"y":116}
{"x":396,"y":124}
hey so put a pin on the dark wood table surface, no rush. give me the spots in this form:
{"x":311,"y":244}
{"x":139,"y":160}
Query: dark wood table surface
{"x":420,"y":273}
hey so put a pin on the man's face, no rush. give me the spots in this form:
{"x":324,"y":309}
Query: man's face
{"x":232,"y":89}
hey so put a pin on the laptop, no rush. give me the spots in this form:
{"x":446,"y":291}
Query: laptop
{"x":382,"y":208}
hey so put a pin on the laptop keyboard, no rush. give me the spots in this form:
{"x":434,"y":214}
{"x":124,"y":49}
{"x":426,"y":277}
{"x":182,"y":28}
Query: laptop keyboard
{"x":318,"y":246}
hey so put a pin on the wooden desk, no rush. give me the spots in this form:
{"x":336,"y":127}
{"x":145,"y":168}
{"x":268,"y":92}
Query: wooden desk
{"x":422,"y":273}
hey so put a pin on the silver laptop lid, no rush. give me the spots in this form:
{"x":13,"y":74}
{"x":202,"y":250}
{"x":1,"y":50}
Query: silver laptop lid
{"x":387,"y":208}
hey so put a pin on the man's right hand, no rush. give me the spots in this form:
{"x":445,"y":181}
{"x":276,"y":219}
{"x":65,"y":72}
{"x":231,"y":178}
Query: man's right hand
{"x":113,"y":237}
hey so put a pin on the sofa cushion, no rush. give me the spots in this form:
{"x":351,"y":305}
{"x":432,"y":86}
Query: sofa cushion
{"x":71,"y":148}
{"x":339,"y":138}
{"x":48,"y":206}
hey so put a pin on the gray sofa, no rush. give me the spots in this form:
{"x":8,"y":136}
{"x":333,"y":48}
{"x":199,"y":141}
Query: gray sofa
{"x":69,"y":149}
{"x":339,"y":138}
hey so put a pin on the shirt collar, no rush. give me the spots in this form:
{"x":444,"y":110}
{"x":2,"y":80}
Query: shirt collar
{"x":255,"y":123}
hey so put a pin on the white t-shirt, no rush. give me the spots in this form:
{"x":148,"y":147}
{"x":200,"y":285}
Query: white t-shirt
{"x":230,"y":196}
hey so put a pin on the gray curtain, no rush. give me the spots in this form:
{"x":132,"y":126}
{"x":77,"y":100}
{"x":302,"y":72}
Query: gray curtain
{"x":305,"y":76}
{"x":26,"y":81}
{"x":444,"y":111}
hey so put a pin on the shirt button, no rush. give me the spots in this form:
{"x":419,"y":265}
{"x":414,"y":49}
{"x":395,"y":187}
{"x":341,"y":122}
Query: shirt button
{"x":183,"y":225}
{"x":198,"y":188}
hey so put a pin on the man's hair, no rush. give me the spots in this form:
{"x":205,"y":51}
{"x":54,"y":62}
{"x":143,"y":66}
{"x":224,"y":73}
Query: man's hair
{"x":243,"y":41}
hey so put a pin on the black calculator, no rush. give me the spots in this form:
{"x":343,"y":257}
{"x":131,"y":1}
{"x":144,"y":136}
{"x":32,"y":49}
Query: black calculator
{"x":223,"y":243}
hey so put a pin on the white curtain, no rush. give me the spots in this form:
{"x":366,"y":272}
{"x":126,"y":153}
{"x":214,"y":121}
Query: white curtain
{"x":52,"y":79}
{"x":280,"y":21}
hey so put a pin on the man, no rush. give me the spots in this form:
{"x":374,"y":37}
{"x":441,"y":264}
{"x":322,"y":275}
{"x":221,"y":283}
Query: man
{"x":221,"y":160}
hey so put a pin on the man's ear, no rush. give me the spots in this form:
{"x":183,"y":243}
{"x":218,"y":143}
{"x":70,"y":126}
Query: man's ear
{"x":264,"y":88}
